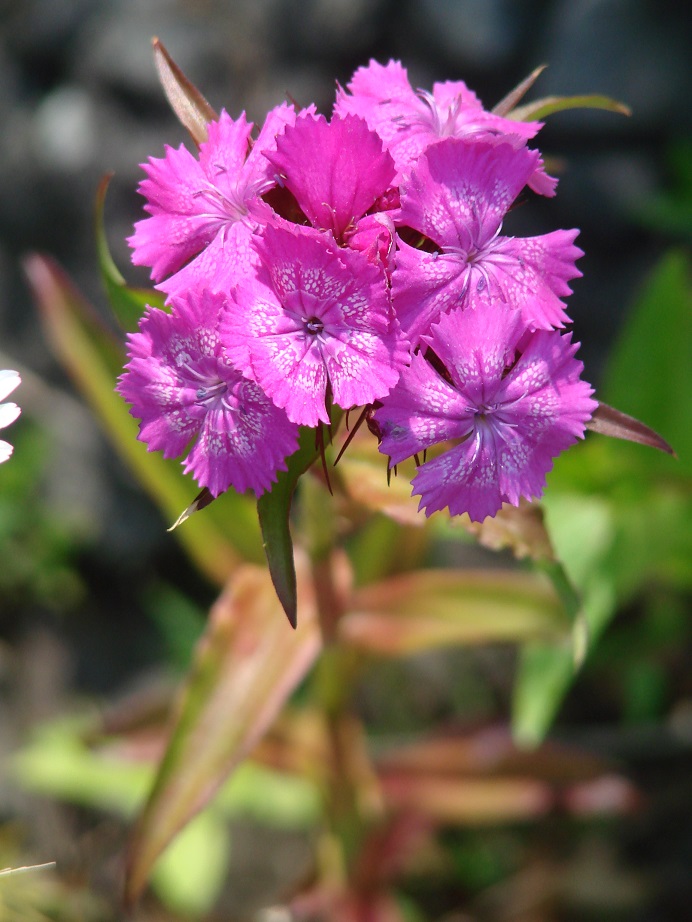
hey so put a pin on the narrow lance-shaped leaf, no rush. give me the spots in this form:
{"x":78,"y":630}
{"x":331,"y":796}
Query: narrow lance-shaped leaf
{"x":94,"y":358}
{"x":187,"y":102}
{"x":425,"y":609}
{"x":508,"y":102}
{"x":127,"y":303}
{"x":273,"y":510}
{"x":609,"y":421}
{"x":541,"y":108}
{"x":246,"y":666}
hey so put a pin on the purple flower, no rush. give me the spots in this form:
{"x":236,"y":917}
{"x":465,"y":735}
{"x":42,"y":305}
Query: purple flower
{"x":316,"y":320}
{"x":204,"y":211}
{"x":409,"y":120}
{"x":509,"y":399}
{"x":457,"y":196}
{"x":181,"y":386}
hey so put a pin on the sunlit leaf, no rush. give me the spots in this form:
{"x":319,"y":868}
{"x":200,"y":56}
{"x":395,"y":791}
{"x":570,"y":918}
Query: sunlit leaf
{"x":417,"y":611}
{"x":191,"y":873}
{"x":94,"y":357}
{"x":127,"y":303}
{"x":185,"y":99}
{"x":246,"y":665}
{"x":507,"y":103}
{"x":541,"y":108}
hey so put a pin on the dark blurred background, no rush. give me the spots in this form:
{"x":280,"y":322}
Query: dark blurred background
{"x":79,"y":97}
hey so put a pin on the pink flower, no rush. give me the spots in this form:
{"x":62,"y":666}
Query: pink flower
{"x":510,"y":400}
{"x":314,"y":324}
{"x":409,"y":120}
{"x":182,"y":387}
{"x":204,"y":211}
{"x":457,"y":196}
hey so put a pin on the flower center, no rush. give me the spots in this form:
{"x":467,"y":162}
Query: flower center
{"x":212,"y":392}
{"x":313,"y":326}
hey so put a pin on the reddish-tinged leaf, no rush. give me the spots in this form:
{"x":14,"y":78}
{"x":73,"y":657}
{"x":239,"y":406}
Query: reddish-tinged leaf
{"x":508,"y":103}
{"x":417,"y":611}
{"x":541,"y":108}
{"x":491,"y":752}
{"x":246,"y":665}
{"x":187,"y":102}
{"x":94,"y":358}
{"x":609,"y":421}
{"x":470,"y":801}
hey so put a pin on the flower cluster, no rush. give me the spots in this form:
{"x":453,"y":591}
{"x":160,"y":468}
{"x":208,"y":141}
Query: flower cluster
{"x":359,"y":262}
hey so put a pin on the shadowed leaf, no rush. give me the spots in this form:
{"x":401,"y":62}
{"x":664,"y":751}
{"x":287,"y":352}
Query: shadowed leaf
{"x":273,"y":510}
{"x":185,"y":99}
{"x":541,"y":108}
{"x":246,"y":665}
{"x":417,"y":611}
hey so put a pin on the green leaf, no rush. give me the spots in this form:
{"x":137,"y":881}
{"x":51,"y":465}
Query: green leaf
{"x":273,"y":510}
{"x":94,"y":358}
{"x":541,"y":108}
{"x":187,"y":102}
{"x":246,"y":665}
{"x":649,"y":374}
{"x":127,"y":303}
{"x":425,"y":609}
{"x":191,"y":872}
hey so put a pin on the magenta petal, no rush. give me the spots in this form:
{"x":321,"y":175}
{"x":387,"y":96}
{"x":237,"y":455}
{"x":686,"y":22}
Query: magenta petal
{"x":513,"y":397}
{"x":465,"y":479}
{"x":459,"y":192}
{"x":380,"y":94}
{"x":243,"y":445}
{"x":222,"y":155}
{"x":532,"y":273}
{"x":422,"y":410}
{"x":336,"y":170}
{"x":314,"y":314}
{"x":181,"y":387}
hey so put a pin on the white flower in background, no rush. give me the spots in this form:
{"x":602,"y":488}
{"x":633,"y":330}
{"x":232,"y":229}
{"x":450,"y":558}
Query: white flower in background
{"x":9,"y":380}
